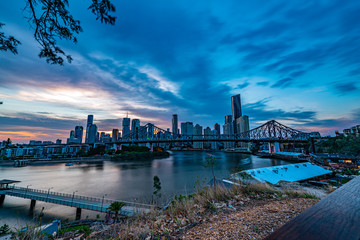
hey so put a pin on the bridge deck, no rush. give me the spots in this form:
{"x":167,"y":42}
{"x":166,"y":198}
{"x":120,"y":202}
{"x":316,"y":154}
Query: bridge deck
{"x":90,"y":203}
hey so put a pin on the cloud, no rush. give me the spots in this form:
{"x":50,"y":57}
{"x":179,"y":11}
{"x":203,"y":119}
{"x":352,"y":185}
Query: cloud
{"x":343,"y":87}
{"x":283,"y":83}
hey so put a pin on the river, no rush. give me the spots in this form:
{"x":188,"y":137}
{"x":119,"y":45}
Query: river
{"x":131,"y":181}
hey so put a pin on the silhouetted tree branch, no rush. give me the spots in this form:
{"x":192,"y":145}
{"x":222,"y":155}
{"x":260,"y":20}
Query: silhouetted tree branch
{"x":51,"y":21}
{"x":8,"y":43}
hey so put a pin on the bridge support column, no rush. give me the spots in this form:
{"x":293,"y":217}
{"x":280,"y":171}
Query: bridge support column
{"x":32,"y":205}
{"x":2,"y":199}
{"x":78,"y":214}
{"x":151,"y":147}
{"x":120,"y":147}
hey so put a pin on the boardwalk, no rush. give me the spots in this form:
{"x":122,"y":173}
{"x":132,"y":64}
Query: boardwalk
{"x":73,"y":200}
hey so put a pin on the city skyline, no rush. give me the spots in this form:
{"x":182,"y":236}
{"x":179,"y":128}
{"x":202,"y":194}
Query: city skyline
{"x":287,"y":63}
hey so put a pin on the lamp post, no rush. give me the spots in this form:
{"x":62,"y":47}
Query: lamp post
{"x":27,"y":188}
{"x":102,"y":203}
{"x":47,"y":197}
{"x":72,"y":200}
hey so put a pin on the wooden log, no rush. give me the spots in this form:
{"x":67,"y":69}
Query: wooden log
{"x":335,"y":217}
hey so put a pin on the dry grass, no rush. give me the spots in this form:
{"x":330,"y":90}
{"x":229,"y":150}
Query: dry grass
{"x":186,"y":212}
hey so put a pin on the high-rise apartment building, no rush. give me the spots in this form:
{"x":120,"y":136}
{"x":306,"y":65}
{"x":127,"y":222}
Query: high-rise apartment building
{"x":126,"y":127}
{"x":175,"y":127}
{"x":135,"y":124}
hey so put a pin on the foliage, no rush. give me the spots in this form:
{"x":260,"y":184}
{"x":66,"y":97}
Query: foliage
{"x":5,"y":229}
{"x":99,"y":150}
{"x":210,"y":162}
{"x":135,"y":148}
{"x":8,"y":43}
{"x":344,"y":145}
{"x":116,"y":207}
{"x":157,"y":187}
{"x":52,"y":21}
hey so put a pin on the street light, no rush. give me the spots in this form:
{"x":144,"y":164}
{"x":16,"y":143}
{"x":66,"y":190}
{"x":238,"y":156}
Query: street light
{"x":47,"y":197}
{"x":27,"y":188}
{"x":102,"y":203}
{"x":72,"y":200}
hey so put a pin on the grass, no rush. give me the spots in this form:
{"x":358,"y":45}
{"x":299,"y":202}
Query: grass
{"x":190,"y":210}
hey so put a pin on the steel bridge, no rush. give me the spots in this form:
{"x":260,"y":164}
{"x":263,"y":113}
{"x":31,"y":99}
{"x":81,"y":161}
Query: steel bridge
{"x":270,"y":132}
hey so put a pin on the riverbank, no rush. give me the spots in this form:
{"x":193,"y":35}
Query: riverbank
{"x":82,"y":160}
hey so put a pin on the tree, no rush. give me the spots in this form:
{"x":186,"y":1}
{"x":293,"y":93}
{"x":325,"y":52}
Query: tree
{"x":157,"y":186}
{"x":210,"y":163}
{"x":52,"y":21}
{"x":116,"y":207}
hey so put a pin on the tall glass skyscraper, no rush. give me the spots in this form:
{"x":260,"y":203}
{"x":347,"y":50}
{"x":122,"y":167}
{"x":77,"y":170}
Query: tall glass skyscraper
{"x":236,"y":106}
{"x":175,"y":125}
{"x":90,"y":121}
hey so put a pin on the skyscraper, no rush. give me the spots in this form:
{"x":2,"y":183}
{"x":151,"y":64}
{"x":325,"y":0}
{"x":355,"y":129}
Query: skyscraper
{"x":198,"y":132}
{"x":92,"y":134}
{"x":115,"y":134}
{"x":217,"y":128}
{"x":242,"y":125}
{"x":175,"y":125}
{"x":228,"y":119}
{"x":236,"y":106}
{"x":79,"y":133}
{"x":90,"y":121}
{"x":135,"y":124}
{"x":187,"y":128}
{"x":126,"y":127}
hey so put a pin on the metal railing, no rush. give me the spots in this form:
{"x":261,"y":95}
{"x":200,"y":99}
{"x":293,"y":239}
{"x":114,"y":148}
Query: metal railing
{"x":91,"y":203}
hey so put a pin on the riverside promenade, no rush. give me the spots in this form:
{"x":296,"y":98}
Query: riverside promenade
{"x":71,"y":200}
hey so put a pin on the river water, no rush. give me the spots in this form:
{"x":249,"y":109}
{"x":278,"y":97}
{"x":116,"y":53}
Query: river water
{"x":131,"y":181}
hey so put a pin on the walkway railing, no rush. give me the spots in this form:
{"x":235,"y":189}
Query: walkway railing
{"x":73,"y":200}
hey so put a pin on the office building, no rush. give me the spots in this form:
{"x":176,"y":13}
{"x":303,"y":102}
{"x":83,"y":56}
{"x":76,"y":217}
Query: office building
{"x":187,"y":129}
{"x":242,"y":125}
{"x":236,"y":107}
{"x":79,"y":133}
{"x":198,"y":130}
{"x":72,"y":134}
{"x":115,"y":135}
{"x":208,"y":135}
{"x":217,"y":128}
{"x":92,"y":134}
{"x":126,"y":127}
{"x":175,"y":126}
{"x":135,"y":124}
{"x":228,"y":119}
{"x":90,"y":121}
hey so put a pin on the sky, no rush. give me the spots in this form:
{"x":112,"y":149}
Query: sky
{"x":297,"y":62}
